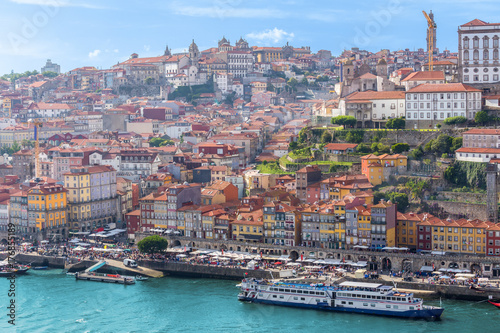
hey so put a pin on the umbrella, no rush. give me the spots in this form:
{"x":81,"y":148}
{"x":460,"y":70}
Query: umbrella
{"x":278,"y":263}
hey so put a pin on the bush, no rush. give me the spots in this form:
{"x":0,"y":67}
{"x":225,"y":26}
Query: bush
{"x":326,"y":137}
{"x":455,"y":120}
{"x":355,"y":136}
{"x":363,"y":148}
{"x":396,"y":123}
{"x":398,"y":148}
{"x":152,"y":244}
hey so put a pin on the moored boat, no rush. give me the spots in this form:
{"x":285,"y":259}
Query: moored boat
{"x":357,"y":297}
{"x":497,"y":304}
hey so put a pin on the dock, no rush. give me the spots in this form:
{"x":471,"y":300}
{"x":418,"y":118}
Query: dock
{"x":138,"y":270}
{"x":101,"y":277}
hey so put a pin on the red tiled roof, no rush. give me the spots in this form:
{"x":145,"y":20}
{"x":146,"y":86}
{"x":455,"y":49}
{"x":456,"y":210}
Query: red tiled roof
{"x":444,"y":87}
{"x":424,"y":75}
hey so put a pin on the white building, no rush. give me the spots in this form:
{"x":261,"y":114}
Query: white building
{"x":372,"y":107}
{"x":174,"y":131}
{"x":478,"y":52}
{"x":417,"y":78}
{"x":481,"y":155}
{"x":436,"y":102}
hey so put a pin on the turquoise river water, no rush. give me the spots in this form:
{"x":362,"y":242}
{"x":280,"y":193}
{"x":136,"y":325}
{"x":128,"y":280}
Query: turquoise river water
{"x":50,"y":301}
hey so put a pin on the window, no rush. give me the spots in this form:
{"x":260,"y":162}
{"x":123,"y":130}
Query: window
{"x":476,"y":55}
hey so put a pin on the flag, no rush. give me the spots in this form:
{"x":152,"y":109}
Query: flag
{"x":301,"y":257}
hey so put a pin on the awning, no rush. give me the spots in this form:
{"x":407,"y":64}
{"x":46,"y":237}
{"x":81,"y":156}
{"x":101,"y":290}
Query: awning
{"x":426,"y":269}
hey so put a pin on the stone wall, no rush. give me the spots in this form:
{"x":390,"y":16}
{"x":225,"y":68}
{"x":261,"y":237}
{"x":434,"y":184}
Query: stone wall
{"x":462,"y":209}
{"x":462,"y":197}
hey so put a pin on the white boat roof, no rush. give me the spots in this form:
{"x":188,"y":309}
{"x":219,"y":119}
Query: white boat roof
{"x":359,"y":284}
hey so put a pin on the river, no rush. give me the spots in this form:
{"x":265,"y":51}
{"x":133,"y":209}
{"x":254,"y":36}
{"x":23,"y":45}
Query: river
{"x":50,"y":301}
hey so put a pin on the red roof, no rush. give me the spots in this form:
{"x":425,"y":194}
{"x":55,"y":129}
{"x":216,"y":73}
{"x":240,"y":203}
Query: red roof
{"x":424,"y":76}
{"x":477,"y":22}
{"x":479,"y":150}
{"x":444,"y":87}
{"x":340,"y":146}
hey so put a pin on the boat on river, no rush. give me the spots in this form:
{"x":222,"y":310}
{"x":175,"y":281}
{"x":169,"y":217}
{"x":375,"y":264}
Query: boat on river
{"x":497,"y":304}
{"x":357,"y":297}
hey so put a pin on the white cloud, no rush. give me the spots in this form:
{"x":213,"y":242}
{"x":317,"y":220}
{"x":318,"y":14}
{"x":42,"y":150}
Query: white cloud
{"x":94,"y":53}
{"x":226,"y":11}
{"x":56,"y":3}
{"x":271,"y":35}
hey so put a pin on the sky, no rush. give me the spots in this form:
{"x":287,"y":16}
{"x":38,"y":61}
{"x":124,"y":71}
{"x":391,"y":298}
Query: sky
{"x":101,"y":33}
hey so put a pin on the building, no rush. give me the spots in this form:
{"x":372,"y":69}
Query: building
{"x":19,"y":214}
{"x":383,"y":223}
{"x":51,"y":67}
{"x":374,"y":108}
{"x":92,"y":198}
{"x":478,"y":57}
{"x":428,"y":104}
{"x":133,"y":220}
{"x":340,"y":148}
{"x":479,"y":145}
{"x":379,"y":168}
{"x":304,"y":177}
{"x":424,"y":77}
{"x":138,"y":163}
{"x":47,"y":205}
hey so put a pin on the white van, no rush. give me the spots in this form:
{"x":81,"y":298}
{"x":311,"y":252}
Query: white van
{"x":130,"y":263}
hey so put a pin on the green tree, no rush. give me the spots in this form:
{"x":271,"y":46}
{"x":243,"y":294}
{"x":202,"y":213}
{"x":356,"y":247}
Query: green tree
{"x":355,"y":136}
{"x":482,"y":117}
{"x":270,"y":87}
{"x":304,"y":82}
{"x":149,"y":81}
{"x":383,"y":149}
{"x":396,"y":123}
{"x":292,"y":83}
{"x":346,"y":121}
{"x":15,"y":147}
{"x":441,"y":144}
{"x":50,"y":74}
{"x":230,"y":98}
{"x":401,"y":199}
{"x":455,"y":120}
{"x":398,"y":148}
{"x":363,"y":148}
{"x":152,"y":244}
{"x":293,"y":145}
{"x":417,"y":153}
{"x":326,"y":137}
{"x":456,"y":143}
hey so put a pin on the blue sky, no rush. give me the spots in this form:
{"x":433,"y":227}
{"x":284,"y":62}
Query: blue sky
{"x":100,"y":33}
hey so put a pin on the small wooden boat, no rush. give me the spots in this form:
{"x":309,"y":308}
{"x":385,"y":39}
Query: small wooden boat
{"x":39,"y":268}
{"x":495,"y":304}
{"x":141,"y":278}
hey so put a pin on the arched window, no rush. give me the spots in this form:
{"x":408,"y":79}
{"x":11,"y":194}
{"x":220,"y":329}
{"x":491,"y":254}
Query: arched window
{"x":486,"y":55}
{"x":466,"y":42}
{"x":495,"y":54}
{"x":495,"y":41}
{"x":486,"y":42}
{"x":476,"y":55}
{"x":466,"y":55}
{"x":475,"y":42}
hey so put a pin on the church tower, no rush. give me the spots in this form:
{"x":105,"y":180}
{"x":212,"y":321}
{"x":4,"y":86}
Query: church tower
{"x":348,"y":71}
{"x":194,"y":53}
{"x":167,"y":52}
{"x":382,"y":68}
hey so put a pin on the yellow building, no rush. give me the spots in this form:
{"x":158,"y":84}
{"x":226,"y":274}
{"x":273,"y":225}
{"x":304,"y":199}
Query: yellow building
{"x":269,"y":222}
{"x":340,"y":223}
{"x":406,"y":229}
{"x":460,"y":236}
{"x":379,"y":168}
{"x":327,"y":226}
{"x":47,"y":206}
{"x":248,"y":227}
{"x":364,"y":226}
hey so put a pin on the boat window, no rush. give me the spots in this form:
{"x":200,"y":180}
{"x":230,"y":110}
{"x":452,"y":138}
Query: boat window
{"x":282,"y":290}
{"x":343,"y":302}
{"x":295,"y":298}
{"x":274,"y":296}
{"x":299,"y":291}
{"x":350,"y":303}
{"x":368,"y":296}
{"x":318,"y":300}
{"x":260,"y":295}
{"x":388,"y":306}
{"x":365,"y":304}
{"x":281,"y":296}
{"x":398,"y":299}
{"x":395,"y":306}
{"x":378,"y":297}
{"x":372,"y":305}
{"x":287,"y":290}
{"x":294,"y":291}
{"x":412,"y":308}
{"x":302,"y":298}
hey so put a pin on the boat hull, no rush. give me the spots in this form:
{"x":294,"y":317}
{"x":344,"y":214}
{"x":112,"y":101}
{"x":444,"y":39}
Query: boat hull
{"x":430,"y":313}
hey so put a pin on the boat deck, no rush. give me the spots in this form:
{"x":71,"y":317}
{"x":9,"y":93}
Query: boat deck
{"x":109,"y":278}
